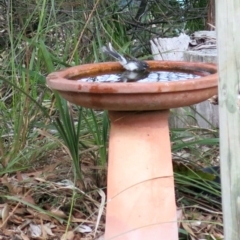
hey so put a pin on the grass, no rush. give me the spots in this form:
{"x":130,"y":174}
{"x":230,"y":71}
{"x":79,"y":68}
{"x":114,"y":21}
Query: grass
{"x":53,"y":155}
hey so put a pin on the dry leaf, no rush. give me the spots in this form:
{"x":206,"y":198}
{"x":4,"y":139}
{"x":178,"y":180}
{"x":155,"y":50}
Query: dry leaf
{"x":4,"y":215}
{"x":83,"y":229}
{"x":101,"y":208}
{"x":58,"y":213}
{"x":80,"y":220}
{"x":196,"y":223}
{"x":48,"y":228}
{"x":68,"y":236}
{"x":29,"y":199}
{"x":35,"y":230}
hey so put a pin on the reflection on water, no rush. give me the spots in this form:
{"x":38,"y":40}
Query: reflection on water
{"x":154,"y":76}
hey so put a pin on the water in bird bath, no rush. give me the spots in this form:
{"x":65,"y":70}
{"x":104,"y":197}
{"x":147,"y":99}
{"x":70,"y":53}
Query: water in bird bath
{"x":152,"y":76}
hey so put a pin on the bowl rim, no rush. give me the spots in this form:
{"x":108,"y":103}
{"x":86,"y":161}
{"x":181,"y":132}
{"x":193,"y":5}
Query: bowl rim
{"x":60,"y":81}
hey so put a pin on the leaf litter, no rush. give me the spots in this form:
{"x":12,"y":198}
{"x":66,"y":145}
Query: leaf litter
{"x":37,"y":206}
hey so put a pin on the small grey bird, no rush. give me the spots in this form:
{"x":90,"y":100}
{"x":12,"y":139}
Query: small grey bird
{"x":132,"y":65}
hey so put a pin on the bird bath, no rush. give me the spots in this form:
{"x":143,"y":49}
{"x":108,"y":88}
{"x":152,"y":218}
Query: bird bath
{"x":140,"y":186}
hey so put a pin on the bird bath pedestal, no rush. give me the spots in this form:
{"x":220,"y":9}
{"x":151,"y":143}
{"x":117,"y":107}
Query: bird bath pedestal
{"x":140,"y":189}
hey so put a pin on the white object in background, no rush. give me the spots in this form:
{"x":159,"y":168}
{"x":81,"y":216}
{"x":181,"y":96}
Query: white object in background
{"x":170,"y":48}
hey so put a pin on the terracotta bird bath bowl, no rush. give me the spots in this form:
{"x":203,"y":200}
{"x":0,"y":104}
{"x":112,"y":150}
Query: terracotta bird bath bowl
{"x":140,"y":189}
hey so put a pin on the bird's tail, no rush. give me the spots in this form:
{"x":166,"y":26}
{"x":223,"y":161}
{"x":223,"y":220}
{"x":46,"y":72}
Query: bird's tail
{"x":113,"y":53}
